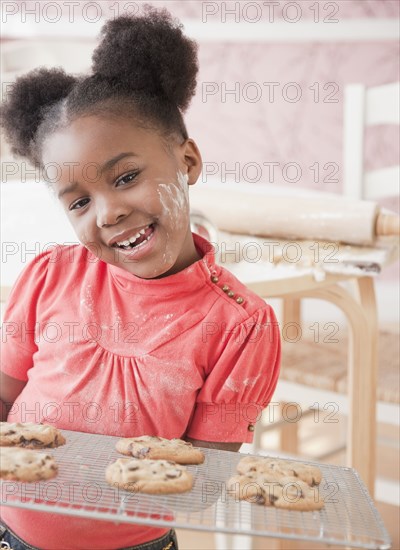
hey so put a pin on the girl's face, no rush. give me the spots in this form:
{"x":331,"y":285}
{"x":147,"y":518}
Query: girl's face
{"x":125,"y":194}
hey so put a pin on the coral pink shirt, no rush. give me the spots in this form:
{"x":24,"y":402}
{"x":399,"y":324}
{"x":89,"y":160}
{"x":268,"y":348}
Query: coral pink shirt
{"x":104,"y":351}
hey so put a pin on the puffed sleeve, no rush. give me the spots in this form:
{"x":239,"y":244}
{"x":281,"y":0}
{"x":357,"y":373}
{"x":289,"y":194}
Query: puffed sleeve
{"x":20,"y":319}
{"x":241,"y":382}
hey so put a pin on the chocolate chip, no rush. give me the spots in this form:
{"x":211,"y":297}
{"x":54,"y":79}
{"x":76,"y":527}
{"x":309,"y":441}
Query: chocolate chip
{"x":260,"y":499}
{"x":272,"y":498}
{"x":33,"y":442}
{"x":141,"y":452}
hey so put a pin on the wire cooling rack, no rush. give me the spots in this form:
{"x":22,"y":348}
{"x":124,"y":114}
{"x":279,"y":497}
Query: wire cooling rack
{"x":349,"y":517}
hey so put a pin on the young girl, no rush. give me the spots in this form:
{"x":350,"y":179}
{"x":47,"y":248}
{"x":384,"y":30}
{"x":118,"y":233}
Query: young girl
{"x":137,"y":330}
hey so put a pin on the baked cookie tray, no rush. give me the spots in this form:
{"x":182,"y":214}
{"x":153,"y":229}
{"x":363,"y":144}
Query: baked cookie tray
{"x":349,"y":517}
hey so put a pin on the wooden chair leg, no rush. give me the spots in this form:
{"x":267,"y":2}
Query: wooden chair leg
{"x":362,"y":373}
{"x":288,"y":434}
{"x":291,"y":314}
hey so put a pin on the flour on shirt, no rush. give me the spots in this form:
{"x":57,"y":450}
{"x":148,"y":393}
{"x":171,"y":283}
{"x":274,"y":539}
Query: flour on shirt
{"x":87,"y":300}
{"x":251,"y":381}
{"x":232,"y":385}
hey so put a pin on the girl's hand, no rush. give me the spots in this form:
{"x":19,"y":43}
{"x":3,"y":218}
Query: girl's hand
{"x":215,"y":445}
{"x":10,"y":388}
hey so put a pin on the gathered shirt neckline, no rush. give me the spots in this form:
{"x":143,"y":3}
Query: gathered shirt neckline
{"x":187,"y":280}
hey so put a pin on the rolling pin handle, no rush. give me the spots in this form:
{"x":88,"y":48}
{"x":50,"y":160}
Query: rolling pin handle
{"x":387,"y":224}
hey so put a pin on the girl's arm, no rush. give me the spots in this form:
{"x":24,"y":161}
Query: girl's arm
{"x":215,"y":445}
{"x":10,"y":388}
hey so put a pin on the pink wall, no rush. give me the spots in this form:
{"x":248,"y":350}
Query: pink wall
{"x":346,"y":8}
{"x":250,"y":129}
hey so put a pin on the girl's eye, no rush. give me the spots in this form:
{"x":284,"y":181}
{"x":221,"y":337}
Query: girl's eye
{"x":79,"y":204}
{"x":124,"y":180}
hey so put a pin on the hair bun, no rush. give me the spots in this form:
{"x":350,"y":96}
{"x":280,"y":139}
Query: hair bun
{"x":148,"y":54}
{"x":30,"y":95}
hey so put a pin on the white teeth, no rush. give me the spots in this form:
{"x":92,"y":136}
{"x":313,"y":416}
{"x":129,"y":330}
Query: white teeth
{"x":133,"y":239}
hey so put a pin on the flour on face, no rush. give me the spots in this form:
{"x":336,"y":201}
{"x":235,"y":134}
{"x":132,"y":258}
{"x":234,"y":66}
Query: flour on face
{"x":174,"y":198}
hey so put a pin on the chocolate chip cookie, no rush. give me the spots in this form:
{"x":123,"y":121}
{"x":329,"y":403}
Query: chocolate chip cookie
{"x":149,"y":476}
{"x":155,"y":448}
{"x":29,"y":435}
{"x":269,"y":489}
{"x":26,"y":465}
{"x":305,"y":472}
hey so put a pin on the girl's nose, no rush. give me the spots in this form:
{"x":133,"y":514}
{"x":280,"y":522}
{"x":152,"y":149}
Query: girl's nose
{"x":110,"y":211}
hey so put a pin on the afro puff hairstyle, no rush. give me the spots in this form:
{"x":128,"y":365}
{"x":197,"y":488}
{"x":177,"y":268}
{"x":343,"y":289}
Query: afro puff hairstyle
{"x":143,"y":64}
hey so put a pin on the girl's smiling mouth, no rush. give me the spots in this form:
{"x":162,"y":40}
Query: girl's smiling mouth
{"x":139,"y":244}
{"x":132,"y":238}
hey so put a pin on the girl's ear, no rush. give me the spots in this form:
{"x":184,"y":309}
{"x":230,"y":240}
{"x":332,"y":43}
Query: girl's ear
{"x":192,"y":160}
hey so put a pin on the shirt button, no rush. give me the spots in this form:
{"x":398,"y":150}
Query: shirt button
{"x":214,"y":279}
{"x":225,"y":288}
{"x":231,"y":294}
{"x":239,"y":300}
{"x":251,"y":427}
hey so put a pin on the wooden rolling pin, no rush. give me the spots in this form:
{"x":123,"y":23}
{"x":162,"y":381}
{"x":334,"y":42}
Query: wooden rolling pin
{"x":327,"y":219}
